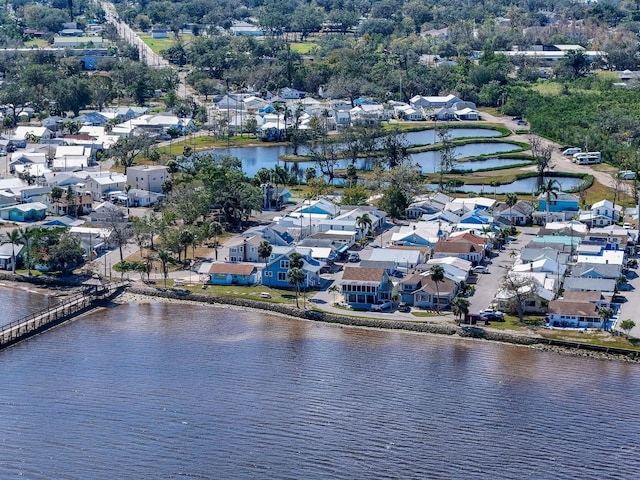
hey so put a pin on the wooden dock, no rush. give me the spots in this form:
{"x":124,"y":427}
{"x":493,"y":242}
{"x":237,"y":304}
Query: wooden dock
{"x":62,"y":311}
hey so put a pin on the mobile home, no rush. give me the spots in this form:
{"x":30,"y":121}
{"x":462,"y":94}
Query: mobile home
{"x":587,"y":158}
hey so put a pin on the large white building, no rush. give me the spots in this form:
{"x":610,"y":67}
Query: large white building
{"x":148,"y":177}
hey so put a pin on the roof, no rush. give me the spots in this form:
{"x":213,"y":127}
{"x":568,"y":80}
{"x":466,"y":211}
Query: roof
{"x":594,"y":284}
{"x":232,"y":268}
{"x":583,"y":297}
{"x":575,"y":309}
{"x":445,"y":286}
{"x":359,"y":274}
{"x":9,"y":249}
{"x":27,"y":207}
{"x":400,"y":256}
{"x":459,"y":246}
{"x":604,"y":270}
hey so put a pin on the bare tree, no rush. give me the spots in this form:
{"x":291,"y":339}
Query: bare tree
{"x":520,"y":289}
{"x":541,"y":154}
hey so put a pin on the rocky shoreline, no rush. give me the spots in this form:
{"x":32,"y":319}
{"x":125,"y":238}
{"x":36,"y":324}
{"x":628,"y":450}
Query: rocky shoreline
{"x":139,"y":294}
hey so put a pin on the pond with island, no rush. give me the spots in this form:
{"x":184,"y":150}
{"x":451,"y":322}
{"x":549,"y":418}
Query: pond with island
{"x":523,"y":185}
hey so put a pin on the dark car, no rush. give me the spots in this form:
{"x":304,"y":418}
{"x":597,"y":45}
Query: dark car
{"x":404,"y":307}
{"x":494,"y":316}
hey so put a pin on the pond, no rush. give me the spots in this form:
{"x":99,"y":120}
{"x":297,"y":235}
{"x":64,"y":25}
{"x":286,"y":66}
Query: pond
{"x":525,"y":185}
{"x":429,"y":161}
{"x":255,"y":158}
{"x":429,"y":137}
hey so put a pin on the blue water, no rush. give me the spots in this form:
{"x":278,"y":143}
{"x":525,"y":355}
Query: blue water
{"x":151,"y":391}
{"x":525,"y":185}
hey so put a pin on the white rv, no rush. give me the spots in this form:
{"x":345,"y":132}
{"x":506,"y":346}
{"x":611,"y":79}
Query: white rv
{"x":587,"y":158}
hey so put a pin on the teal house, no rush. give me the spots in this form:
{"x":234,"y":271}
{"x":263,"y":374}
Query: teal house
{"x":24,"y":212}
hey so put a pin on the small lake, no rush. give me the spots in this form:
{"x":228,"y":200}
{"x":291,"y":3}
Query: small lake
{"x":255,"y":158}
{"x":430,"y":161}
{"x":429,"y":137}
{"x":525,"y":185}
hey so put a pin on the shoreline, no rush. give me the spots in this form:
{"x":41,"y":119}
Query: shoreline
{"x":138,"y":294}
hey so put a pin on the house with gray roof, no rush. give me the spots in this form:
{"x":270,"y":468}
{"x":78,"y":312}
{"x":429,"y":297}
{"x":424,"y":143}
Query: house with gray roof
{"x":579,"y":284}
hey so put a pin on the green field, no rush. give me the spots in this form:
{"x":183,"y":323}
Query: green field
{"x":36,"y":42}
{"x":159,"y":44}
{"x":303,"y":48}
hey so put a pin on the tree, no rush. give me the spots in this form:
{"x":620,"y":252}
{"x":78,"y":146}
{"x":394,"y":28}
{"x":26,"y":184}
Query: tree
{"x":394,"y":202}
{"x":295,"y":276}
{"x":605,"y":313}
{"x":460,"y":307}
{"x":364,"y":222}
{"x":627,"y":325}
{"x":66,"y":254}
{"x":264,"y":252}
{"x":215,"y":230}
{"x":437,"y":275}
{"x":355,"y":196}
{"x":56,"y":195}
{"x":541,"y":154}
{"x":26,"y":237}
{"x":120,"y":231}
{"x":335,"y":290}
{"x":520,"y":289}
{"x":511,"y":199}
{"x":186,"y":238}
{"x":13,"y":237}
{"x":165,"y":258}
{"x":124,"y":151}
{"x":550,"y":190}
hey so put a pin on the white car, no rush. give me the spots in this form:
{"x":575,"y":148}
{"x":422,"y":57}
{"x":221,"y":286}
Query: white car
{"x":381,"y":305}
{"x":480,"y":269}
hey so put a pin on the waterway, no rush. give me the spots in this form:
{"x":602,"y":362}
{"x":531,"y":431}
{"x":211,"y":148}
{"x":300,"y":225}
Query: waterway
{"x":524,"y":185}
{"x":161,"y":390}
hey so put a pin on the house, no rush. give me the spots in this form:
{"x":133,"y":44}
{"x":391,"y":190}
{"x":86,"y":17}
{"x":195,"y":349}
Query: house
{"x":595,"y":270}
{"x":239,"y":28}
{"x":274,"y":274}
{"x":69,"y":158}
{"x":148,"y":177}
{"x":275,"y":234}
{"x":580,"y":284}
{"x":100,"y":184}
{"x":543,"y":264}
{"x":244,"y":249}
{"x":159,"y":32}
{"x":137,"y":197}
{"x":32,"y":132}
{"x":455,"y":268}
{"x":537,"y":294}
{"x":232,"y":274}
{"x":35,"y":194}
{"x":291,"y":94}
{"x":66,"y":221}
{"x":26,"y":212}
{"x":319,"y":207}
{"x":79,"y":42}
{"x":106,"y":212}
{"x":464,"y":249}
{"x":563,"y":313}
{"x":561,"y":202}
{"x":73,"y":202}
{"x":405,"y":260}
{"x":362,"y":287}
{"x":8,"y":252}
{"x":601,"y":214}
{"x":92,"y":240}
{"x":519,"y":214}
{"x":467,"y":114}
{"x":421,"y":291}
{"x":26,"y":158}
{"x":426,"y":102}
{"x":421,"y":234}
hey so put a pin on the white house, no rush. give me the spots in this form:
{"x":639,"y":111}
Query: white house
{"x":148,"y":177}
{"x":99,"y":184}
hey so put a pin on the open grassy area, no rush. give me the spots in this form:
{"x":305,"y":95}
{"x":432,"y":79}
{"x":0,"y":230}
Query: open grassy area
{"x":600,"y":338}
{"x":206,"y":142}
{"x":36,"y":42}
{"x":251,"y":293}
{"x":159,"y":44}
{"x":303,"y":48}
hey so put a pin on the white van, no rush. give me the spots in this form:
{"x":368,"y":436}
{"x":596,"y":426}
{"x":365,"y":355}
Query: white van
{"x":572,"y":151}
{"x":626,"y":175}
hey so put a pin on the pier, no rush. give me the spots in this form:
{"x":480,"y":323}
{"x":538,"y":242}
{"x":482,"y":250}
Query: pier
{"x":68,"y":308}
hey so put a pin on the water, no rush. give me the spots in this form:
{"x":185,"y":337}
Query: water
{"x":525,"y":185}
{"x":429,"y":137}
{"x":489,"y":163}
{"x":173,"y":391}
{"x":255,"y":158}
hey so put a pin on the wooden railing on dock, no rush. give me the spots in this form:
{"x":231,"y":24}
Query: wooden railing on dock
{"x":65,"y":309}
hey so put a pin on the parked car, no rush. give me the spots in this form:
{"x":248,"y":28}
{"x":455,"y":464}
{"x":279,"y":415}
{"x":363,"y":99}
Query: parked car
{"x":494,"y":316}
{"x":522,"y":122}
{"x":381,"y":305}
{"x":626,"y":225}
{"x":480,"y":269}
{"x":404,"y":307}
{"x":354,"y":257}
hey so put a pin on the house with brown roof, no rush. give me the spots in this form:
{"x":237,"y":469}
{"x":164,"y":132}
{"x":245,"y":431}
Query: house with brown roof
{"x":362,"y":287}
{"x":461,"y":248}
{"x":577,"y":314}
{"x":232,"y":274}
{"x":428,"y":295}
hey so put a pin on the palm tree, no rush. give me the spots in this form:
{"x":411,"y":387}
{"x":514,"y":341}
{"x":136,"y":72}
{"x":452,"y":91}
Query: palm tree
{"x":215,"y":230}
{"x":165,"y":258}
{"x":14,"y":238}
{"x":296,"y":260}
{"x":264,"y":252}
{"x":334,"y":289}
{"x":550,"y":190}
{"x":364,"y":222}
{"x":26,"y":235}
{"x":511,"y":199}
{"x":605,"y":313}
{"x":460,"y":307}
{"x":437,"y":275}
{"x":295,"y":276}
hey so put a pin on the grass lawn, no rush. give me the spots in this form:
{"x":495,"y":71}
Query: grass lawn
{"x":36,"y":42}
{"x":159,"y":44}
{"x":206,"y":142}
{"x":601,"y":338}
{"x":251,"y":293}
{"x":425,"y":314}
{"x":303,"y":47}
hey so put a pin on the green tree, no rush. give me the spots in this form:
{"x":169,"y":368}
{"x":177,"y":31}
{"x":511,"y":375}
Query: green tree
{"x":215,"y":230}
{"x":13,"y":237}
{"x":550,"y":190}
{"x":124,"y":151}
{"x":394,"y":202}
{"x":355,"y":196}
{"x":605,"y":314}
{"x":510,"y":200}
{"x":364,"y":222}
{"x":627,"y":325}
{"x":437,"y":275}
{"x":26,"y":237}
{"x":264,"y":252}
{"x":460,"y":307}
{"x":295,"y":277}
{"x":165,"y":258}
{"x":66,"y":254}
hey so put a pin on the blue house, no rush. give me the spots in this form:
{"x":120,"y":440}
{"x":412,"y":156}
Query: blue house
{"x":233,"y":274}
{"x":362,"y":287}
{"x":563,"y":202}
{"x":275,"y":273}
{"x":477,"y":218}
{"x":24,"y":212}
